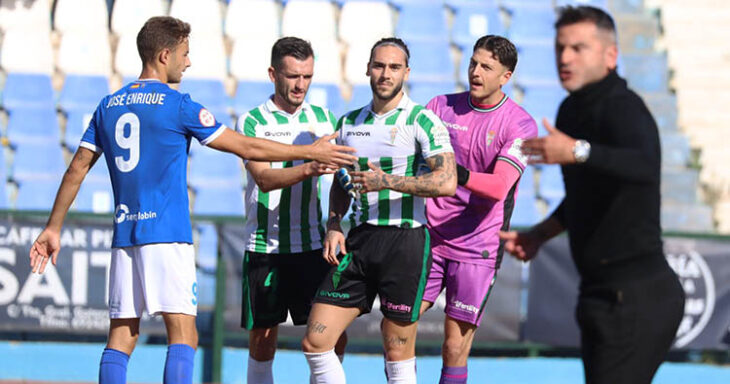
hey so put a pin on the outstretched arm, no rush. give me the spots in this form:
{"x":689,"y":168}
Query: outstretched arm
{"x":269,"y":179}
{"x":524,"y":245}
{"x":441,"y":181}
{"x":251,"y":148}
{"x":48,"y":243}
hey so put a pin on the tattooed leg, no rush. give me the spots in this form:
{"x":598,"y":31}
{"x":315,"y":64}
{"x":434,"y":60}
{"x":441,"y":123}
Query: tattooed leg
{"x":325,"y":325}
{"x":399,"y":340}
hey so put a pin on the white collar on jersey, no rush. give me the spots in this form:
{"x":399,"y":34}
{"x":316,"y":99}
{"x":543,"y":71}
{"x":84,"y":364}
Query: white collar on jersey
{"x":272,"y":107}
{"x":405,"y":103}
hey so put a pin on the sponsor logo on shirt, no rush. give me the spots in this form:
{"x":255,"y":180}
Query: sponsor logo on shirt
{"x":277,"y":134}
{"x":456,"y":126}
{"x":357,"y":133}
{"x":206,"y":118}
{"x":121,"y":214}
{"x":466,"y":307}
{"x":334,"y":295}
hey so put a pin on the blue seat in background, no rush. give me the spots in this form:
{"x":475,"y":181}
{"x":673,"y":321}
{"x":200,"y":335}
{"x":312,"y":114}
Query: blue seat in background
{"x":38,"y":161}
{"x":207,"y":241}
{"x":551,"y":182}
{"x":526,"y":187}
{"x":209,"y":167}
{"x":27,"y":126}
{"x":208,"y":92}
{"x":96,"y":193}
{"x":422,"y":22}
{"x":402,"y":3}
{"x":431,"y":62}
{"x":532,"y":22}
{"x":4,"y":195}
{"x":472,"y":3}
{"x":220,"y":200}
{"x":95,"y":197}
{"x":360,"y":97}
{"x":525,"y":212}
{"x":250,"y":94}
{"x":646,"y":73}
{"x":3,"y":180}
{"x":676,"y":151}
{"x":593,"y":3}
{"x":328,"y":96}
{"x":474,"y":21}
{"x":82,"y":93}
{"x":36,"y":194}
{"x":543,"y":102}
{"x":536,"y":64}
{"x":76,"y":124}
{"x":422,"y":93}
{"x":28,"y":90}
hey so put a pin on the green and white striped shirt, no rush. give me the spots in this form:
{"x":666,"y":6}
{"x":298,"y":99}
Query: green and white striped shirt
{"x":287,"y":220}
{"x":397,"y":142}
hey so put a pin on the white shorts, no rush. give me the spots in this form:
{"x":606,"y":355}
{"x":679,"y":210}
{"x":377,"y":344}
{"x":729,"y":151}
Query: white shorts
{"x":156,"y":277}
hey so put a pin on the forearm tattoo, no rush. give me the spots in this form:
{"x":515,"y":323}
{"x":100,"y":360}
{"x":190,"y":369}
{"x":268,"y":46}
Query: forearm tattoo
{"x":443,"y":170}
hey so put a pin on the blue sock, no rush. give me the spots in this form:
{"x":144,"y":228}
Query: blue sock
{"x":453,"y":375}
{"x":113,"y":367}
{"x":179,"y":364}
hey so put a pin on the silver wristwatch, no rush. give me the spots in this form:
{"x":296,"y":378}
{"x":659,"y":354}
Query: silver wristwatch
{"x":581,"y":151}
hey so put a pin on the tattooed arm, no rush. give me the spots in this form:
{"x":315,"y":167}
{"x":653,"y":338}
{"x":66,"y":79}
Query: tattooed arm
{"x":441,"y":181}
{"x":339,"y":202}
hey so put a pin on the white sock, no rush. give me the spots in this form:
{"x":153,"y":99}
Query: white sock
{"x":401,"y":372}
{"x":259,"y":372}
{"x":325,"y":368}
{"x":311,"y":377}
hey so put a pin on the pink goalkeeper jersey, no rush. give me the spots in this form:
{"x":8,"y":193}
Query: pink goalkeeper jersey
{"x":465,"y":227}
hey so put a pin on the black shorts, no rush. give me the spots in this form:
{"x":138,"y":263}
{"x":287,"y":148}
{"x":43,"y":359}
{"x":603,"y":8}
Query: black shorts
{"x":391,"y":262}
{"x":274,"y":284}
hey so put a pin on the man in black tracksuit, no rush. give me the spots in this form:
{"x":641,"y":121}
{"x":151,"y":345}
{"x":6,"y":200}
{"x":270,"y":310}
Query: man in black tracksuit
{"x":630,"y":301}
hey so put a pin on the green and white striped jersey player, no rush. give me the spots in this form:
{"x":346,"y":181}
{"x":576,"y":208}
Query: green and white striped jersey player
{"x":286,"y":220}
{"x":397,"y":142}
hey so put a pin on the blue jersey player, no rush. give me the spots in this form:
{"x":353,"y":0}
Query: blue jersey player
{"x":144,"y":132}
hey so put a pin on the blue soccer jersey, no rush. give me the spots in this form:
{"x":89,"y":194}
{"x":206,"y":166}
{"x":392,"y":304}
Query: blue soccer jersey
{"x":144,"y":131}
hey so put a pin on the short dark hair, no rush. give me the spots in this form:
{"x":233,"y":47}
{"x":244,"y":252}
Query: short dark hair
{"x":502,"y":49}
{"x":290,"y":46}
{"x":394,"y":41}
{"x":571,"y":15}
{"x":158,"y":33}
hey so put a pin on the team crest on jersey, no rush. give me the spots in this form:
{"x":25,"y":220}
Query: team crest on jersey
{"x":393,"y":134}
{"x":206,"y":118}
{"x":490,"y":138}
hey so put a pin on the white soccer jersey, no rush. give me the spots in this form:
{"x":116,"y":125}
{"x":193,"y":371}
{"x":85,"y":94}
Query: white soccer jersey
{"x":397,"y":142}
{"x":287,"y":220}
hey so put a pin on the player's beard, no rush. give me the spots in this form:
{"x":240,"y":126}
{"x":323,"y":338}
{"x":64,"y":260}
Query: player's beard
{"x":383,"y":95}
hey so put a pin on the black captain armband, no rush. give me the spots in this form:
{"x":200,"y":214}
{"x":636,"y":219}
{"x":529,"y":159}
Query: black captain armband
{"x":462,"y":175}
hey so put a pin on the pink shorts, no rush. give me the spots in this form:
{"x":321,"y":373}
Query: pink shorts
{"x":468,"y":286}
